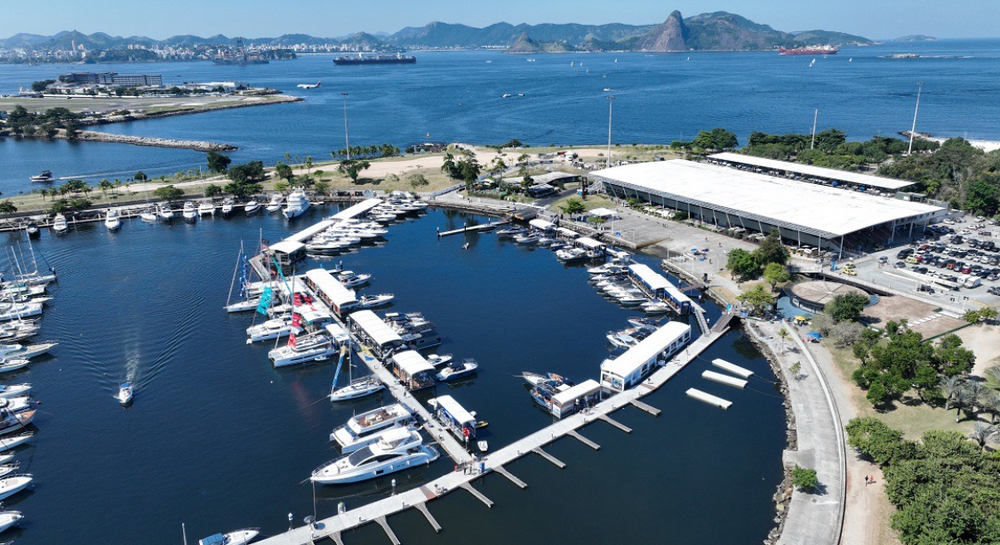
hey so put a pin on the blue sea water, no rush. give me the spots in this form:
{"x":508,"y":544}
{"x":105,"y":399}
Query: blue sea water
{"x":456,"y":96}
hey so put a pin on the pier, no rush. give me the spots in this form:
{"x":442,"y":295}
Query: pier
{"x":378,"y":511}
{"x":472,"y":228}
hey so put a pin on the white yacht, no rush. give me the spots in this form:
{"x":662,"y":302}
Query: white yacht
{"x":206,"y":208}
{"x":111,"y":220}
{"x":7,"y":365}
{"x":14,"y":390}
{"x":8,"y":443}
{"x":165,"y":212}
{"x":190,"y":212}
{"x":227,"y":207}
{"x":350,"y":279}
{"x":306,"y":349}
{"x":11,"y":422}
{"x":458,"y":370}
{"x":15,"y":404}
{"x":59,"y":224}
{"x":397,"y":450}
{"x":296,"y":205}
{"x":9,"y":519}
{"x":362,"y":429}
{"x":14,"y":484}
{"x":375,"y":301}
{"x":437,"y":360}
{"x":238,"y":537}
{"x":148,"y":215}
{"x":271,"y":329}
{"x":14,"y":311}
{"x":275,"y":203}
{"x":125,"y":393}
{"x":357,"y":388}
{"x":526,"y":239}
{"x":251,"y":207}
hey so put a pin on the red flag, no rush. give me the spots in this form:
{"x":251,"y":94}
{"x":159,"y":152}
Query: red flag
{"x":297,"y":299}
{"x":309,"y":299}
{"x":291,"y":340}
{"x":296,"y":320}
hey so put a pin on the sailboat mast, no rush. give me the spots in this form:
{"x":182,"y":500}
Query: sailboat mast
{"x":812,"y":145}
{"x":236,"y":268}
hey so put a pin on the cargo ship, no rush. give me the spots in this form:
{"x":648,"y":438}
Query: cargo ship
{"x":813,"y":50}
{"x":398,"y":58}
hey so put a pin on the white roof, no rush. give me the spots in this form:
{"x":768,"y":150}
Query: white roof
{"x":567,"y":232}
{"x":357,"y":210}
{"x":589,"y":242}
{"x":816,"y":209}
{"x":603,"y":213}
{"x":378,"y":330}
{"x":312,"y":231}
{"x":653,"y":279}
{"x":331,"y":287}
{"x":541,"y":224}
{"x":638,"y":355}
{"x":287,"y":246}
{"x":810,"y":170}
{"x":457,"y":411}
{"x":583,"y":389}
{"x":411,"y":362}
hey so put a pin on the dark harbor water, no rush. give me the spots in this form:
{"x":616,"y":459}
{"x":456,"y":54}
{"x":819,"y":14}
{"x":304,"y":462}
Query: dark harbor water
{"x":456,"y":96}
{"x":219,"y":440}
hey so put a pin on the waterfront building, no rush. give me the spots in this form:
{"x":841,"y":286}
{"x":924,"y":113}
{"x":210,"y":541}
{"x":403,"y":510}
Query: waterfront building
{"x":331,"y":292}
{"x":374,"y":333}
{"x":810,"y":173}
{"x":412,"y":369}
{"x":572,"y":399}
{"x":455,"y":417}
{"x":633,"y":366}
{"x":112,"y":79}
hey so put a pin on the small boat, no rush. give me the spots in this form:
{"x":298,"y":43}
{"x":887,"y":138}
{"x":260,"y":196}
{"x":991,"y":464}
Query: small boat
{"x":365,"y":428}
{"x":7,"y":365}
{"x":526,"y":239}
{"x":14,"y":390}
{"x":510,"y":232}
{"x":507,"y":95}
{"x":483,"y":446}
{"x":535,"y":379}
{"x":112,"y":221}
{"x":11,"y":422}
{"x":357,"y":388}
{"x":275,"y":203}
{"x":4,"y":458}
{"x":395,"y":451}
{"x":9,"y":519}
{"x":572,"y":255}
{"x":458,"y":370}
{"x":7,"y":469}
{"x":251,"y":207}
{"x":190,"y":212}
{"x":43,"y":177}
{"x":14,"y":484}
{"x":15,"y":404}
{"x":655,"y":307}
{"x":243,"y":306}
{"x":438,"y":360}
{"x":32,"y":229}
{"x":350,"y":279}
{"x":125,"y":393}
{"x":238,"y":537}
{"x":59,"y":224}
{"x":375,"y":301}
{"x":206,"y":209}
{"x":165,"y":212}
{"x":148,"y":215}
{"x":8,"y":443}
{"x":227,"y":207}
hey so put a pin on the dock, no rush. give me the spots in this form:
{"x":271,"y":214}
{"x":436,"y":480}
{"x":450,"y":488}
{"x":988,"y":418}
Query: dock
{"x":706,"y":397}
{"x":732,"y":368}
{"x":378,"y":511}
{"x":724,"y":379}
{"x":472,"y":228}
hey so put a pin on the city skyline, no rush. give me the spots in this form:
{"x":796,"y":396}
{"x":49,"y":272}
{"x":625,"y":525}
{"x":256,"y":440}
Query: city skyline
{"x":256,"y":18}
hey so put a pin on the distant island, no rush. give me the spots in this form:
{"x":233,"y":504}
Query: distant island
{"x":717,"y":31}
{"x":916,"y":38}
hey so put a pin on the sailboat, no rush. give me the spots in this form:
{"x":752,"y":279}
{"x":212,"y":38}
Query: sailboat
{"x":355,"y":389}
{"x":246,"y":303}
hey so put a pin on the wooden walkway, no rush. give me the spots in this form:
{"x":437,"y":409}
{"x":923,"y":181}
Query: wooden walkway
{"x":378,"y":511}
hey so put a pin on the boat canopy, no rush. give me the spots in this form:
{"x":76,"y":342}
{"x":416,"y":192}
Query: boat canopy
{"x":589,"y":243}
{"x":568,"y":233}
{"x":542,"y":224}
{"x":586,"y":388}
{"x":287,"y":247}
{"x":411,"y":363}
{"x":375,"y":328}
{"x":217,"y":539}
{"x":457,"y":412}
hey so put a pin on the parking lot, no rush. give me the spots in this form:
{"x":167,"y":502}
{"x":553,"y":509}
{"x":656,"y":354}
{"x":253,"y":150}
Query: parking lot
{"x":957,"y":263}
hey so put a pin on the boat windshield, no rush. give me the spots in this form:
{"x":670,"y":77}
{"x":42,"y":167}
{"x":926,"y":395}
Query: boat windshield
{"x":358,"y":457}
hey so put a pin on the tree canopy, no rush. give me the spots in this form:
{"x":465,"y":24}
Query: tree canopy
{"x":352,"y":168}
{"x":218,"y":162}
{"x":168,"y":193}
{"x":846,"y":307}
{"x":716,"y":139}
{"x":743,"y":265}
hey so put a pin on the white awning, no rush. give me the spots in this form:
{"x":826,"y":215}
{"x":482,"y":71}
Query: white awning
{"x":456,"y":411}
{"x":603,"y":213}
{"x":654,"y":280}
{"x":411,"y":362}
{"x":542,"y":224}
{"x":331,"y":288}
{"x":374,"y":327}
{"x":287,"y":247}
{"x":646,"y":350}
{"x":589,"y":243}
{"x":584,"y":389}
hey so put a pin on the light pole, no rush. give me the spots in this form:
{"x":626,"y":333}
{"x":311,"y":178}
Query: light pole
{"x":913,"y":129}
{"x":611,"y":103}
{"x":347,"y":139}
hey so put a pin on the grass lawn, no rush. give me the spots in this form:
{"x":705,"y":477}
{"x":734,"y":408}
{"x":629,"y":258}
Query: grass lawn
{"x":590,"y":203}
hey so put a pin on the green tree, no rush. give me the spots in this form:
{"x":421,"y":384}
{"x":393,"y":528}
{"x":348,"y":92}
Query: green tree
{"x":280,"y":186}
{"x":40,"y":86}
{"x":878,"y":442}
{"x":796,"y":368}
{"x":771,"y":250}
{"x":218,"y":162}
{"x":283,"y":171}
{"x":352,"y":168}
{"x":776,"y":273}
{"x":7,"y":207}
{"x":951,"y":358}
{"x":805,"y":479}
{"x":417,"y":180}
{"x":212,"y":190}
{"x":72,"y":131}
{"x":140,"y":176}
{"x":168,"y":193}
{"x":743,"y":265}
{"x":321,"y":188}
{"x":716,"y":139}
{"x":846,"y":307}
{"x":252,"y":172}
{"x":573,"y":206}
{"x":757,"y":300}
{"x":982,"y":433}
{"x":105,"y":185}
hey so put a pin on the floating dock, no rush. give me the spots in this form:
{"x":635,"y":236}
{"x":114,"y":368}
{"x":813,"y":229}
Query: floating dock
{"x":708,"y":398}
{"x":724,"y":379}
{"x":472,"y":228}
{"x":732,"y":368}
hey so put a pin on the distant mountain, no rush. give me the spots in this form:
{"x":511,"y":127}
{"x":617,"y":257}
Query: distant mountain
{"x":823,"y":37}
{"x":672,"y":35}
{"x":916,"y":38}
{"x":524,"y":44}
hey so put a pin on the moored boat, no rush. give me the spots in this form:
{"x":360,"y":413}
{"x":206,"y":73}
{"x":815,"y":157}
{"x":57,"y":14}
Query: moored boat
{"x":59,"y":224}
{"x":8,"y":365}
{"x":8,"y":443}
{"x":251,"y":207}
{"x":362,"y":429}
{"x":296,"y":205}
{"x":238,"y":537}
{"x":458,"y":370}
{"x":357,"y":388}
{"x":190,"y":212}
{"x":9,"y":519}
{"x":395,"y":451}
{"x":112,"y":220}
{"x":13,"y":484}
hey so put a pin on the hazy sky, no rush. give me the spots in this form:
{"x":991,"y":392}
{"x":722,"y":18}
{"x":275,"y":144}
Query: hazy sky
{"x":254,"y":18}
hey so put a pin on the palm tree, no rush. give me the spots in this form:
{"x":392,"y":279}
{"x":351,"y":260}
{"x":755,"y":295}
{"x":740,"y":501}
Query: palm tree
{"x":950,"y":386}
{"x":963,"y":400}
{"x":977,"y":392}
{"x":783,"y":334}
{"x":981,"y":433}
{"x":44,"y":193}
{"x":992,"y":376}
{"x":991,"y":404}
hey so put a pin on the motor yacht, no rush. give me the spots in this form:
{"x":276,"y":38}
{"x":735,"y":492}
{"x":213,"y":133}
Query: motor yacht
{"x":190,"y":212}
{"x":365,"y":428}
{"x":238,"y":537}
{"x":511,"y":232}
{"x":227,"y":207}
{"x":206,"y":208}
{"x":8,"y":443}
{"x":395,"y":451}
{"x":357,"y":388}
{"x":148,"y":215}
{"x":655,"y":307}
{"x":125,"y":393}
{"x":457,"y":370}
{"x":12,"y":422}
{"x":165,"y":212}
{"x":112,"y":221}
{"x":251,"y":207}
{"x":296,"y":205}
{"x":14,"y":390}
{"x":275,"y":203}
{"x":305,"y":349}
{"x":15,"y":311}
{"x":375,"y":301}
{"x":9,"y":519}
{"x":8,"y":365}
{"x":43,"y":177}
{"x":350,"y":279}
{"x":32,"y":229}
{"x":437,"y":360}
{"x":571,"y":255}
{"x":14,"y":484}
{"x":59,"y":224}
{"x":526,"y":239}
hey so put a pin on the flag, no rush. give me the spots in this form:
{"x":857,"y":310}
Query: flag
{"x":296,"y":319}
{"x":291,"y":340}
{"x":297,"y":299}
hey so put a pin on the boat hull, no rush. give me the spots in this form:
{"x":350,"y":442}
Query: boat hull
{"x":421,"y":457}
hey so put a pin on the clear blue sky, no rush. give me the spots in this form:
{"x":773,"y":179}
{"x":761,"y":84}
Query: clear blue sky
{"x":254,"y":18}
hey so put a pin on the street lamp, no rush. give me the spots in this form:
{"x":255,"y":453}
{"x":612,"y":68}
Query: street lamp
{"x":913,"y":129}
{"x":611,"y":103}
{"x":347,"y":140}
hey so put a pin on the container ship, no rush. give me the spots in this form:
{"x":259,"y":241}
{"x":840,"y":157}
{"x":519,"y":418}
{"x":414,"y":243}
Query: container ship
{"x":813,"y":50}
{"x":375,"y":59}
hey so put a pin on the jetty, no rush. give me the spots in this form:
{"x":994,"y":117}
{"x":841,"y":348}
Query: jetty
{"x":472,"y":228}
{"x":378,"y":511}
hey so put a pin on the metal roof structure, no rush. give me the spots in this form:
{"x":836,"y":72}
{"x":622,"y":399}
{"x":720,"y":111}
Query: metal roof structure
{"x":813,"y":171}
{"x":646,"y":349}
{"x":410,"y":362}
{"x":815,"y":209}
{"x":334,"y":291}
{"x":585,"y":388}
{"x":654,"y":280}
{"x":456,"y":410}
{"x":372,"y":325}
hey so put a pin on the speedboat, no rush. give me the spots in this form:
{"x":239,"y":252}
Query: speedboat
{"x":296,"y":205}
{"x":306,"y":349}
{"x":14,"y":484}
{"x":607,"y":268}
{"x":148,"y":215}
{"x":111,"y":220}
{"x":7,"y":365}
{"x":125,"y":393}
{"x":11,"y":422}
{"x":535,"y":379}
{"x":275,"y":203}
{"x":190,"y":212}
{"x":165,"y":212}
{"x":8,"y":443}
{"x":571,"y":255}
{"x":9,"y":519}
{"x":43,"y":177}
{"x":14,"y":390}
{"x":59,"y":224}
{"x":358,"y":388}
{"x":438,"y":360}
{"x":510,"y":232}
{"x":458,"y":370}
{"x":238,"y":537}
{"x":655,"y":307}
{"x":227,"y":207}
{"x":375,"y":301}
{"x":398,"y":450}
{"x":32,"y":229}
{"x":206,"y":208}
{"x":526,"y":239}
{"x":251,"y":207}
{"x":365,"y":428}
{"x":350,"y":279}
